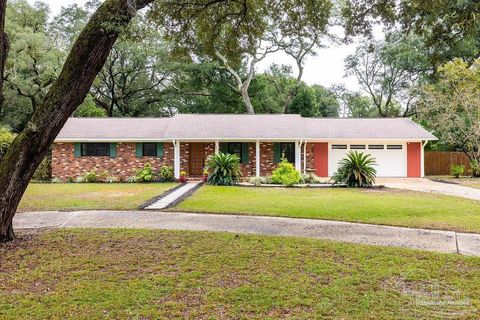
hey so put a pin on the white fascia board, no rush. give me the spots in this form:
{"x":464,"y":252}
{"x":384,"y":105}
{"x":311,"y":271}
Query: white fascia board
{"x":234,"y":139}
{"x":111,"y":140}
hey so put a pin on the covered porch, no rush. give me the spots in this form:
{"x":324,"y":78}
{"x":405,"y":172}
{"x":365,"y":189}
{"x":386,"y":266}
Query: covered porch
{"x":257,"y":157}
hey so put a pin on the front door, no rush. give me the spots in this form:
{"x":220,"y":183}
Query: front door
{"x":197,"y":159}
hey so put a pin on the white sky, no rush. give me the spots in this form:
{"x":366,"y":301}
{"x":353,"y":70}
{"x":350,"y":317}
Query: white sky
{"x":326,"y":68}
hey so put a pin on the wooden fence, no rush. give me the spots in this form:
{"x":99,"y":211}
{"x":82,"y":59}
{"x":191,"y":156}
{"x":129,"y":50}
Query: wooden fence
{"x":440,"y":162}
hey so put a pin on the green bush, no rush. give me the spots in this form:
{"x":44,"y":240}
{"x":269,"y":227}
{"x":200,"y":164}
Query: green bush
{"x":475,"y":168}
{"x":145,"y":174}
{"x":356,"y":170}
{"x":92,"y":177}
{"x":286,"y":174}
{"x":310,"y":178}
{"x":6,"y":138}
{"x":457,"y":170}
{"x":166,"y":174}
{"x":224,"y":169}
{"x":44,"y":170}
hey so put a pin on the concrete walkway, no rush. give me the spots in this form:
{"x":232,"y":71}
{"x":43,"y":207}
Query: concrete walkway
{"x":426,"y":185}
{"x":171,"y":198}
{"x":431,"y":240}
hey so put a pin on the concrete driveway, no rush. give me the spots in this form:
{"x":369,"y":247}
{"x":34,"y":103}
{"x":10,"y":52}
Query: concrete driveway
{"x":431,"y":240}
{"x":426,"y":185}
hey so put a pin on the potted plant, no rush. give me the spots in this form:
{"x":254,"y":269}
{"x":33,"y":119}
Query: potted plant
{"x":205,"y":175}
{"x":183,"y":177}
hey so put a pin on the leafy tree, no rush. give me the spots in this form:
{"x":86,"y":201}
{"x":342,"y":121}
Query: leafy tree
{"x":451,"y":106}
{"x":354,"y":104}
{"x":33,"y":63}
{"x":89,"y":109}
{"x":388,"y":70}
{"x":328,"y":105}
{"x":85,"y":60}
{"x":240,"y":44}
{"x":448,"y":28}
{"x":135,"y":74}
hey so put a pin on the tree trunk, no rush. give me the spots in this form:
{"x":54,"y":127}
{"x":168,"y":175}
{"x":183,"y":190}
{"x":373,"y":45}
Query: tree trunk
{"x":246,"y":100}
{"x":85,"y":60}
{"x":3,"y":49}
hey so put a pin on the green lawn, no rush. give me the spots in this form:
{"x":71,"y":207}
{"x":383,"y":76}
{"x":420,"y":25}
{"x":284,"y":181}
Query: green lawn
{"x":139,"y":274}
{"x":76,"y":196}
{"x":464,"y":181}
{"x":378,"y":206}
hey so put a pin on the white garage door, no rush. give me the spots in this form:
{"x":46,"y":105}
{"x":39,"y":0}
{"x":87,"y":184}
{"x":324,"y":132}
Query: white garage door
{"x":391,"y":157}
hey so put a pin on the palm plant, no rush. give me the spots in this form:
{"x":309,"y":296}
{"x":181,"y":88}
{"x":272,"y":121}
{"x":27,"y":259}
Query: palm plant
{"x":224,"y":169}
{"x":356,"y":170}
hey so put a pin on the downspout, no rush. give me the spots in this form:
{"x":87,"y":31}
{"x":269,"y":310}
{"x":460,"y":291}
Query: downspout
{"x":305,"y":157}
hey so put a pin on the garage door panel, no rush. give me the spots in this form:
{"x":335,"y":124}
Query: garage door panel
{"x":390,"y":162}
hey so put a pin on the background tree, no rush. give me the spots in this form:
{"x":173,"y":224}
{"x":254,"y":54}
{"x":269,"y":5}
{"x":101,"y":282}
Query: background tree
{"x":33,"y":63}
{"x":451,"y":106}
{"x":239,"y":45}
{"x":448,"y":28}
{"x":354,"y":104}
{"x":388,"y":70}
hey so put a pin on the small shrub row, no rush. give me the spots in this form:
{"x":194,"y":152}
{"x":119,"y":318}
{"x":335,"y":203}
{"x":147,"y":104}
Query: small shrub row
{"x":145,"y":174}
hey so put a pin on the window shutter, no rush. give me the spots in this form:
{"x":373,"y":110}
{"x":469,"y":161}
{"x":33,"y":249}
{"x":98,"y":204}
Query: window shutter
{"x":223,"y":147}
{"x":245,"y":159}
{"x":139,"y":150}
{"x":276,"y":152}
{"x":160,"y":150}
{"x":113,"y":150}
{"x":77,"y":150}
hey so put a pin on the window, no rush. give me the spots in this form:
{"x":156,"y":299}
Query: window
{"x":235,"y":148}
{"x":357,"y":146}
{"x":339,"y":146}
{"x":287,"y":150}
{"x":95,"y":149}
{"x":149,"y":149}
{"x":394,"y":146}
{"x":376,"y":146}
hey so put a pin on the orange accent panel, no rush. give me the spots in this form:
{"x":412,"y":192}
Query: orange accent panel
{"x":414,"y":160}
{"x":321,"y":159}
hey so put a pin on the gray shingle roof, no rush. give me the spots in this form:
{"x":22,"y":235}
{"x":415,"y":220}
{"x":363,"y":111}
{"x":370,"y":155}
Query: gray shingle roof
{"x":242,"y":127}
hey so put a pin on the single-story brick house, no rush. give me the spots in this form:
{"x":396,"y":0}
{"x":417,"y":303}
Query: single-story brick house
{"x":123,"y":145}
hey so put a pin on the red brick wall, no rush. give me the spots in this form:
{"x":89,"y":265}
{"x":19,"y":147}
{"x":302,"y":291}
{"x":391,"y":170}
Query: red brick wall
{"x":124,"y":165}
{"x":267,"y":164}
{"x":310,"y":157}
{"x":65,"y":165}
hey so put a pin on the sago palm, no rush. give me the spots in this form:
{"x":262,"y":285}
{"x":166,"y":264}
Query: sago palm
{"x":223,"y":168}
{"x":356,"y":170}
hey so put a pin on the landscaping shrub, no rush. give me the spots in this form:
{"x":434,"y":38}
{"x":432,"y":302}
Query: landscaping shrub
{"x":132,"y":179}
{"x":257,"y":181}
{"x":92,"y":177}
{"x":224,"y":169}
{"x":457,"y":170}
{"x":310,"y":178}
{"x":44,"y":170}
{"x":145,"y":174}
{"x":475,"y":168}
{"x":166,"y":174}
{"x":356,"y":170}
{"x":286,"y":174}
{"x":56,"y":180}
